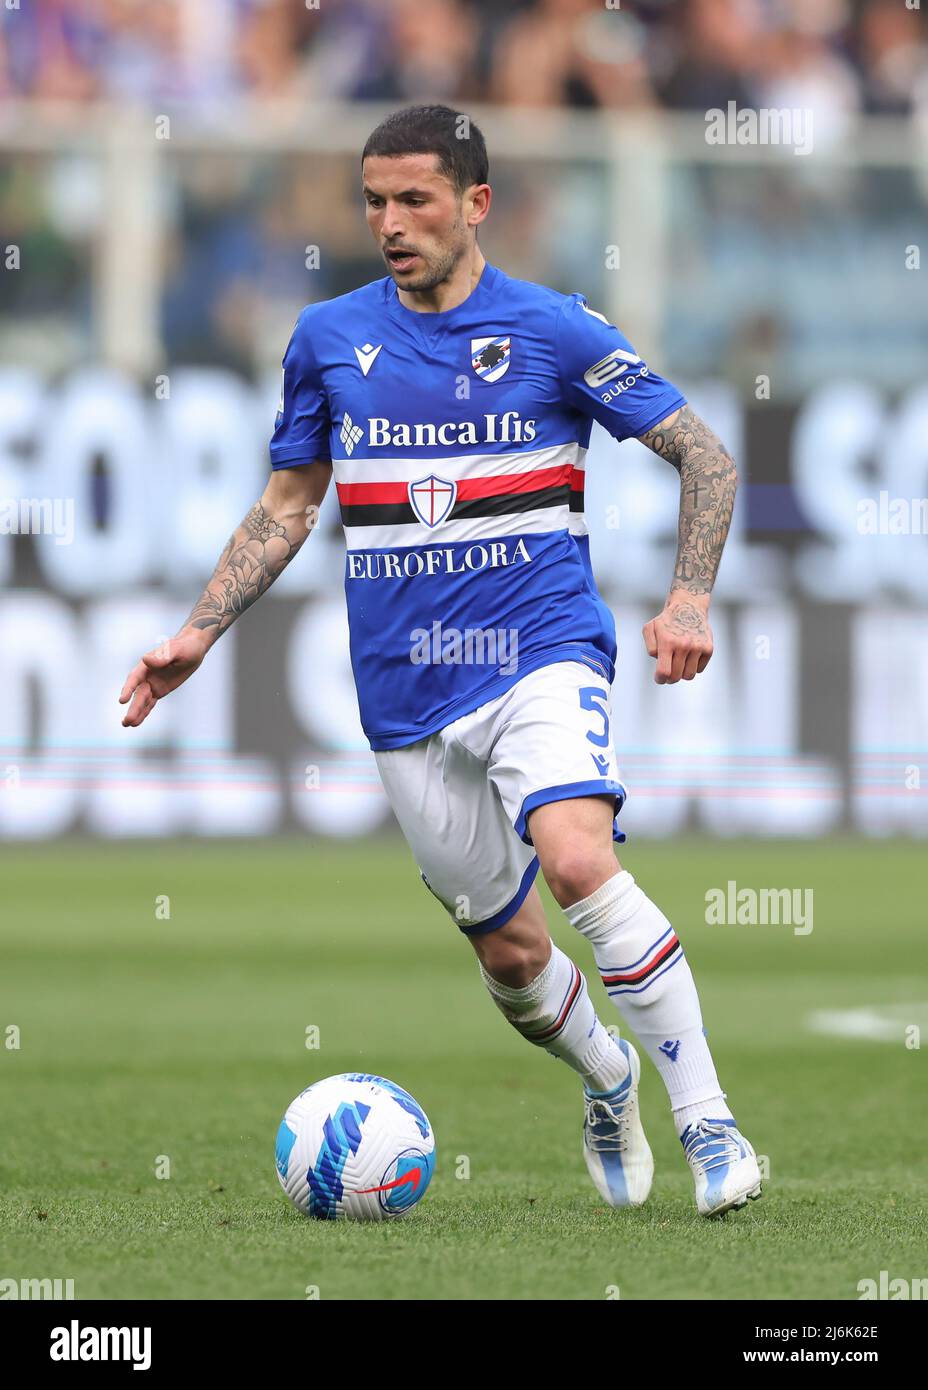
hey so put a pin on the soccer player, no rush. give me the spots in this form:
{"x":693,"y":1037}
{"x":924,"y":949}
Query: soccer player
{"x":454,"y":405}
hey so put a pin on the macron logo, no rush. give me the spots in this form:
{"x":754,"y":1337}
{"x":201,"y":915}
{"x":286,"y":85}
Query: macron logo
{"x":366,"y":356}
{"x":670,"y":1048}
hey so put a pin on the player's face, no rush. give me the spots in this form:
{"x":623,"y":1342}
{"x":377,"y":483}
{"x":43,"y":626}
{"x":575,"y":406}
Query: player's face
{"x":417,"y":217}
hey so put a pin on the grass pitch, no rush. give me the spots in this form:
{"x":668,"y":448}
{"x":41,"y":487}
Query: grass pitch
{"x":144,"y":1038}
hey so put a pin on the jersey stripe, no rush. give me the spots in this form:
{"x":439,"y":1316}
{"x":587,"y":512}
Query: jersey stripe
{"x":504,"y":504}
{"x":357,"y":494}
{"x":459,"y":466}
{"x":539,"y":521}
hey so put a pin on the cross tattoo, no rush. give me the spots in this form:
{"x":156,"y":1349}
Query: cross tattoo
{"x":695,"y":490}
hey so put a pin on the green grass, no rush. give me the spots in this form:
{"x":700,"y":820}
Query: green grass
{"x":185,"y":1037}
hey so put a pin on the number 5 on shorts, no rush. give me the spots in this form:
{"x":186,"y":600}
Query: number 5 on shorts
{"x":591,"y":697}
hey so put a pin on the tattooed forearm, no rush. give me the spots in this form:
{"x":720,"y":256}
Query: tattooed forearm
{"x":708,"y":481}
{"x":255,"y":554}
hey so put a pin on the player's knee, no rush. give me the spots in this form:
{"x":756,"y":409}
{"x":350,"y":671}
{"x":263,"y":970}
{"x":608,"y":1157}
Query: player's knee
{"x":574,"y":871}
{"x":513,"y":963}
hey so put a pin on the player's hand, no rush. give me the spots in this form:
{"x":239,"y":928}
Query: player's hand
{"x":680,"y":638}
{"x":159,"y":672}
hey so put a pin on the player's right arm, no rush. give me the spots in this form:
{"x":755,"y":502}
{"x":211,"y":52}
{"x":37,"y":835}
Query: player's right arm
{"x":259,"y":549}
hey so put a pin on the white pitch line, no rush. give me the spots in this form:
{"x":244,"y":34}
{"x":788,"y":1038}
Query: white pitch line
{"x":873,"y":1023}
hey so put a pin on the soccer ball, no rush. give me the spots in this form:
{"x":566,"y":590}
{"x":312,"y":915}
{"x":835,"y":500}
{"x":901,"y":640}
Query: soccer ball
{"x":356,"y":1146}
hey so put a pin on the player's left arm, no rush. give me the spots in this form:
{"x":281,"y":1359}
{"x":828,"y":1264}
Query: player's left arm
{"x":680,"y":637}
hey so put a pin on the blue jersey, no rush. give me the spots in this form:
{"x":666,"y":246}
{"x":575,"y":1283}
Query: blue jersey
{"x":458,"y":442}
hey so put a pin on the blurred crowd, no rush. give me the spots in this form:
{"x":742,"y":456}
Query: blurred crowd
{"x":234,"y":226}
{"x":849,"y":55}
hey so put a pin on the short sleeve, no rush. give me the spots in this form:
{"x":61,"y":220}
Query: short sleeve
{"x":301,"y":433}
{"x":603,"y":377}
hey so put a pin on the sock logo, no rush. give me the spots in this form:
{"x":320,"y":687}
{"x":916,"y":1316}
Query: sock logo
{"x":670,"y":1049}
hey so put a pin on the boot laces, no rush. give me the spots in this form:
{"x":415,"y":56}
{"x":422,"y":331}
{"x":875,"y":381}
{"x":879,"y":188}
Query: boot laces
{"x":712,"y":1145}
{"x":613,"y":1117}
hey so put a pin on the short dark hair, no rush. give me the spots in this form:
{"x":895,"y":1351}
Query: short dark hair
{"x":438,"y":130}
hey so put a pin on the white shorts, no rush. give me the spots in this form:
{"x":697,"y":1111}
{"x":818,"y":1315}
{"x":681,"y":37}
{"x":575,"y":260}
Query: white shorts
{"x":462,"y":795}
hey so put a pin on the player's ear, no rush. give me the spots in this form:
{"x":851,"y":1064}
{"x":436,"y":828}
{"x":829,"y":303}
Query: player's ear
{"x":477,"y":203}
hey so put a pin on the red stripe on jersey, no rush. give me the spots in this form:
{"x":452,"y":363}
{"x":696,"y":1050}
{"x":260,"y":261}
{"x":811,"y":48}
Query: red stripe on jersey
{"x":534,"y":481}
{"x":363,"y":494}
{"x":360,"y":494}
{"x":577,"y":480}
